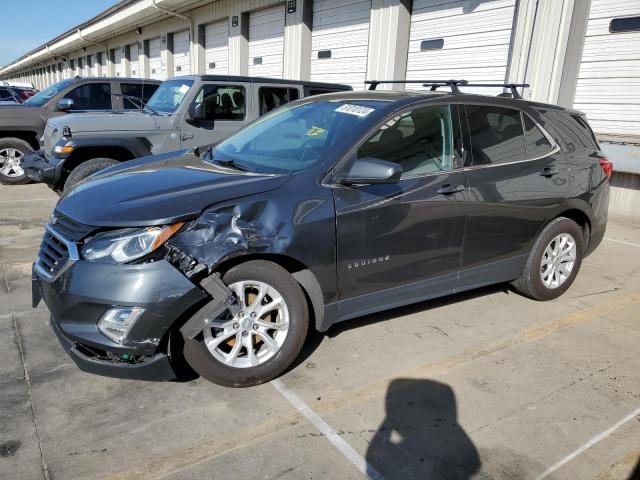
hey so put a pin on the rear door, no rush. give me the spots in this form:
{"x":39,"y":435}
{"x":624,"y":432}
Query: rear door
{"x":518,"y":177}
{"x":399,"y":243}
{"x":227,"y":109}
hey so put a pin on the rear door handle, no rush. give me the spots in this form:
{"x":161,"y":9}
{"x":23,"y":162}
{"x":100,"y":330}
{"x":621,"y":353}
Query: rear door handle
{"x":187,"y":136}
{"x":448,"y":189}
{"x":549,"y":171}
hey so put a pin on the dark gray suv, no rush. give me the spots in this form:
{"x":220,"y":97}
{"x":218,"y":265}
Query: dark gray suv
{"x":326,"y":209}
{"x":22,"y":125}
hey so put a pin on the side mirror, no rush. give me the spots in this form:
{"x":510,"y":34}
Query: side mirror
{"x":196,"y":112}
{"x":367,"y":171}
{"x":65,"y":104}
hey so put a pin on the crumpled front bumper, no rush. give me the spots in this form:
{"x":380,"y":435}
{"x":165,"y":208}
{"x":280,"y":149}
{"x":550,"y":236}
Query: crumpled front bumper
{"x":39,"y":169}
{"x":80,"y":296}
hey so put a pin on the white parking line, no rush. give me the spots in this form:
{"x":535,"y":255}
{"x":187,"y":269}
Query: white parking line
{"x":588,"y":445}
{"x":620,"y":241}
{"x":337,"y":441}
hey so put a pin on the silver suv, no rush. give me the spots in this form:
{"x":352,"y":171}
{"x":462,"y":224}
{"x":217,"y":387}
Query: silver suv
{"x":184,"y":112}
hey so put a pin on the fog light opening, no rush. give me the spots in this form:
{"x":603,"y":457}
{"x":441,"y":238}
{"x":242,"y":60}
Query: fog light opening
{"x":117,"y":322}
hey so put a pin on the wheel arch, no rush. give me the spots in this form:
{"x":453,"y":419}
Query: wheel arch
{"x":31,"y":137}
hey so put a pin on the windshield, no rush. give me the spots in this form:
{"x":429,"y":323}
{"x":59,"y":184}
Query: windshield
{"x":294,"y":137}
{"x":42,"y":97}
{"x":169,"y":95}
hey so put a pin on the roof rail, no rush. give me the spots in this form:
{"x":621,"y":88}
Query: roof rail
{"x":453,"y":84}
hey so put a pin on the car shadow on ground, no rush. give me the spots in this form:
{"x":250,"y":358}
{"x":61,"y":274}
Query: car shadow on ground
{"x":420,"y":436}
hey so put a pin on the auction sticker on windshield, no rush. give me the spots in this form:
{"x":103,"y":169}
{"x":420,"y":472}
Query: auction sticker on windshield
{"x":356,"y":110}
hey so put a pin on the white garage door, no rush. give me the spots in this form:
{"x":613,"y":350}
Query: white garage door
{"x":155,"y":58}
{"x":461,"y":40}
{"x":134,"y":60}
{"x":181,"y":47}
{"x":266,"y":42}
{"x":216,"y":44}
{"x":117,"y":61}
{"x":609,"y":77}
{"x":339,"y":41}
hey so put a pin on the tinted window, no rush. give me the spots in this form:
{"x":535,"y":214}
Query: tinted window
{"x":6,"y":95}
{"x":421,"y":141}
{"x":136,"y":90}
{"x":536,"y":142}
{"x":496,"y":134}
{"x":222,"y":102}
{"x":576,"y":133}
{"x":271,"y":98}
{"x":91,"y":96}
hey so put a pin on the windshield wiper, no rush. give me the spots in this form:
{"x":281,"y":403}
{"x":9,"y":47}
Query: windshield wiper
{"x":137,"y":101}
{"x":232,"y":164}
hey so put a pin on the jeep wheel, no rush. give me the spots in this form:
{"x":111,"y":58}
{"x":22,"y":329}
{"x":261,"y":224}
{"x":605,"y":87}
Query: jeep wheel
{"x":263,"y":339}
{"x":86,"y":169}
{"x":553,"y":262}
{"x":12,"y":151}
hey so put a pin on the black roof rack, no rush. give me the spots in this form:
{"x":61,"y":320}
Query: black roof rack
{"x":453,"y":84}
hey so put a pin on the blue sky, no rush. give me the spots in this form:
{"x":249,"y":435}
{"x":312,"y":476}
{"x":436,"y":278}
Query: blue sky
{"x":28,"y":24}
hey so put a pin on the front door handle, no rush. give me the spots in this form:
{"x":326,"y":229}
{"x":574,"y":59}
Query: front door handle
{"x":187,"y":136}
{"x":549,"y":171}
{"x":448,"y":189}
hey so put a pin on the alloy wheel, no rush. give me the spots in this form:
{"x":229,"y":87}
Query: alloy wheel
{"x":254,"y":334}
{"x":11,"y":162}
{"x":558,"y":260}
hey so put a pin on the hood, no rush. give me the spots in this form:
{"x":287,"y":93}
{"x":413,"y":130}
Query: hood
{"x":108,"y":121}
{"x":159,"y":190}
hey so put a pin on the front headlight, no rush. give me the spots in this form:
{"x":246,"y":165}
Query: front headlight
{"x":123,"y":246}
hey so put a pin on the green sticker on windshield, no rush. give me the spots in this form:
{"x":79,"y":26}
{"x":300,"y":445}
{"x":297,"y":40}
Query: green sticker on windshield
{"x":315,"y":131}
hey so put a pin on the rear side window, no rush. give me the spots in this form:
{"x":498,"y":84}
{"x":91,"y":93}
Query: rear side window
{"x":577,"y":134}
{"x":222,"y":102}
{"x":137,"y":90}
{"x":537,"y":144}
{"x":91,"y":96}
{"x":496,"y":134}
{"x":271,"y":98}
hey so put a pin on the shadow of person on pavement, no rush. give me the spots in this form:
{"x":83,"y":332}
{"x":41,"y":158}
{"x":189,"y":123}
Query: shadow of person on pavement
{"x":420,"y":438}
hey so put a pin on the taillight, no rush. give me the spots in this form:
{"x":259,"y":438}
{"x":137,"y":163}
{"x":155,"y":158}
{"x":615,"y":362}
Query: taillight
{"x":607,"y":166}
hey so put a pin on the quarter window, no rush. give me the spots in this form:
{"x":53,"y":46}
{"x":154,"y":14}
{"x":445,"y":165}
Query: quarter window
{"x":91,"y":96}
{"x":420,"y":141}
{"x":271,"y":98}
{"x":537,"y":144}
{"x":222,"y":102}
{"x":496,"y":134}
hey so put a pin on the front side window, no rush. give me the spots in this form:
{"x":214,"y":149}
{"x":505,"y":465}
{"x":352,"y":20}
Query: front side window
{"x":91,"y":96}
{"x":496,"y":134}
{"x":420,"y":141}
{"x":537,"y":144}
{"x":295,"y":137}
{"x":169,"y":95}
{"x":42,"y":97}
{"x":222,"y":102}
{"x":271,"y":98}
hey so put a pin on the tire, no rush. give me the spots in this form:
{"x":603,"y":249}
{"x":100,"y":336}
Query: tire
{"x":13,"y":174}
{"x":549,"y":281}
{"x":87,"y":168}
{"x":243,"y":373}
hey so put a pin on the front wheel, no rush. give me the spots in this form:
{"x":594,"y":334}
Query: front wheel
{"x":85,"y":169}
{"x":12,"y":151}
{"x":259,"y":342}
{"x":553,"y":262}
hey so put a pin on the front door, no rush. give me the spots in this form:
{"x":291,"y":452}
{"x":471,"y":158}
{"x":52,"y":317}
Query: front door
{"x":401,"y":243}
{"x":227,"y":110}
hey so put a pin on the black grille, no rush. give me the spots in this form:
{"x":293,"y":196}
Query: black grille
{"x":53,"y":255}
{"x":70,"y":229}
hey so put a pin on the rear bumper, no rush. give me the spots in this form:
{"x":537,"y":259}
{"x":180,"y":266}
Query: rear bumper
{"x":39,"y":169}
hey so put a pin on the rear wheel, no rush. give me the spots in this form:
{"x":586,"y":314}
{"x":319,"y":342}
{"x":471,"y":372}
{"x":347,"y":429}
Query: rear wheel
{"x":553,"y":262}
{"x":263,"y":339}
{"x":12,"y":152}
{"x":86,"y":169}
